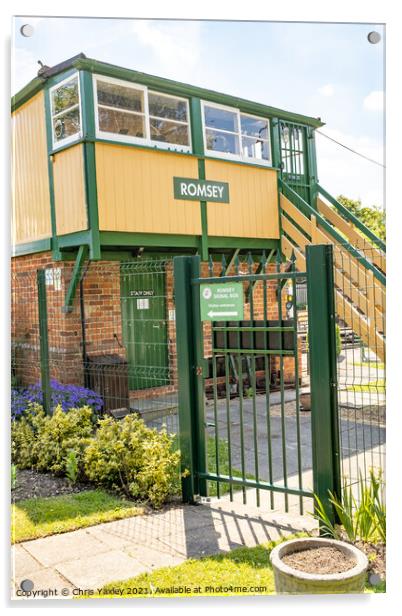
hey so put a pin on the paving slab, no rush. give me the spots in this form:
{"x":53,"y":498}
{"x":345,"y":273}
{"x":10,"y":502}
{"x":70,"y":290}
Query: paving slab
{"x":47,"y":583}
{"x":92,"y":572}
{"x":67,"y":546}
{"x":22,"y":562}
{"x":155,"y":556}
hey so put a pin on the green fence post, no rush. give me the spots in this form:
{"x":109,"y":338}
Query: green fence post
{"x":43,"y":341}
{"x":323,"y":374}
{"x":186,"y":268}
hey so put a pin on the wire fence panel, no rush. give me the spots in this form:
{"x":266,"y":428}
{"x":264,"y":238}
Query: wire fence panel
{"x":117,"y":339}
{"x":360,"y":306}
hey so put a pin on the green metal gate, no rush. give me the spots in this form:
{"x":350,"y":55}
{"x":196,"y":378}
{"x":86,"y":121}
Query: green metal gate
{"x":237,"y":435}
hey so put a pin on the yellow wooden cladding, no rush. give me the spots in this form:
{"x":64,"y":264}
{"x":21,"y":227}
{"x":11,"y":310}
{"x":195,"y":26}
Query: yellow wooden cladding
{"x":253,"y":207}
{"x":69,"y":190}
{"x":135,"y":191}
{"x":30,"y":181}
{"x":371,"y":252}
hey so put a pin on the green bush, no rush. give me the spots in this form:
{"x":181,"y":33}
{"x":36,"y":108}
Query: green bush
{"x":24,"y":435}
{"x":43,"y":442}
{"x":138,"y":460}
{"x":61,"y":434}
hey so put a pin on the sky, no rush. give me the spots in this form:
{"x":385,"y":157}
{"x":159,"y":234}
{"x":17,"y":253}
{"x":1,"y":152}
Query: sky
{"x":323,"y":70}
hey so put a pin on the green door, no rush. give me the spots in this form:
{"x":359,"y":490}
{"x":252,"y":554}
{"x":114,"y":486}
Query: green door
{"x":293,"y":139}
{"x":143,"y":305}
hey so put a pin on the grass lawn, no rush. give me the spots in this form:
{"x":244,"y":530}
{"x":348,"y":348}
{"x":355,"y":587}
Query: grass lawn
{"x":243,"y":571}
{"x":372,"y":387}
{"x":40,"y":517}
{"x":237,"y":572}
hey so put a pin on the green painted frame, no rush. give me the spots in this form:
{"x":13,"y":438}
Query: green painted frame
{"x":125,"y":239}
{"x":29,"y":248}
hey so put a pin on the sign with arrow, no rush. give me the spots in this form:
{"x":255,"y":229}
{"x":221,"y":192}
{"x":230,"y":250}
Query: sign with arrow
{"x":222,"y":302}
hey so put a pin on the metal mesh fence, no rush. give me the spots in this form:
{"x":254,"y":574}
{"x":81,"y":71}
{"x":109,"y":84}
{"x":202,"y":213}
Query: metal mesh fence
{"x":360,"y":308}
{"x":116,"y":339}
{"x":115,"y":348}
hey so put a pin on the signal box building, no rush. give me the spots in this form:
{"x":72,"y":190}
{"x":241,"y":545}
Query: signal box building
{"x":114,"y":170}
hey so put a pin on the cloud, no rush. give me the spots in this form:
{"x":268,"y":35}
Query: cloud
{"x":374,"y":101}
{"x":327,"y":90}
{"x":24,"y":67}
{"x":343,"y":172}
{"x":176,"y":45}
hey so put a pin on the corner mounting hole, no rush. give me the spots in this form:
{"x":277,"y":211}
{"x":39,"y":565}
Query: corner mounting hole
{"x":27,"y":30}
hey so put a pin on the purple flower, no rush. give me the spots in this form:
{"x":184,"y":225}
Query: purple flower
{"x":68,"y":396}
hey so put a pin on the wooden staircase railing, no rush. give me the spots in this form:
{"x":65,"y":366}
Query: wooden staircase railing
{"x":359,"y":266}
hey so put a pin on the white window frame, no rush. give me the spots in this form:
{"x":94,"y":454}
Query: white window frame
{"x":146,"y":141}
{"x":77,"y":136}
{"x":228,"y":155}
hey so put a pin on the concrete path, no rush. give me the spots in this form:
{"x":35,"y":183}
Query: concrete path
{"x":67,"y":564}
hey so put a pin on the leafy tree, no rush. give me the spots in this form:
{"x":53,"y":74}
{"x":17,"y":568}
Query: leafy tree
{"x":373,"y":217}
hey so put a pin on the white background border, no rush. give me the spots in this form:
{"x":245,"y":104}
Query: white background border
{"x":293,"y":10}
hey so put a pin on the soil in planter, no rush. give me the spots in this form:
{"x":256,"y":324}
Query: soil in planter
{"x":322,"y":560}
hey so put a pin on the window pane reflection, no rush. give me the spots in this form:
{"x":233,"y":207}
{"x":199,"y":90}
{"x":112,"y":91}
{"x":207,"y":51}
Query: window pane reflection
{"x":114,"y":121}
{"x":222,"y":142}
{"x":169,"y":132}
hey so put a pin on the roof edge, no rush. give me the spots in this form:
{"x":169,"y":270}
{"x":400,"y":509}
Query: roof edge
{"x":81,"y":62}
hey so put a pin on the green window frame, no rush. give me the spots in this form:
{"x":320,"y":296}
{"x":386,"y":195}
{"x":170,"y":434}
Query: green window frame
{"x":66,"y":115}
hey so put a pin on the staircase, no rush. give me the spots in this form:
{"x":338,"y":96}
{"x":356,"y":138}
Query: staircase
{"x":359,"y":259}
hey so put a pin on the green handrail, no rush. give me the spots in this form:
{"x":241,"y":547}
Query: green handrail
{"x":352,"y":218}
{"x":308,"y":211}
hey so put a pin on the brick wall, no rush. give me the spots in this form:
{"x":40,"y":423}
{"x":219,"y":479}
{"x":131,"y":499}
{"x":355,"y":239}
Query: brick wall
{"x":103,"y":330}
{"x":103,"y":320}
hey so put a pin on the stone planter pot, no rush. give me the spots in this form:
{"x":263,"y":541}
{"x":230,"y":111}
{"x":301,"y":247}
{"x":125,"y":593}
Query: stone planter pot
{"x":293,"y":581}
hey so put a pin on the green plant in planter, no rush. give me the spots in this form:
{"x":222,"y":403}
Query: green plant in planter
{"x":362,"y":518}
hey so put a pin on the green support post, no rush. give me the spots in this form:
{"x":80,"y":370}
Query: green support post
{"x":43,"y":341}
{"x":186,"y":268}
{"x":198,"y":149}
{"x":323,"y":374}
{"x":312,"y":167}
{"x":76,"y":275}
{"x":88,"y":128}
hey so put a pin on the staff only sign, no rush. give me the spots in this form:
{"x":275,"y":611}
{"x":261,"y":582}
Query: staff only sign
{"x":200,"y":190}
